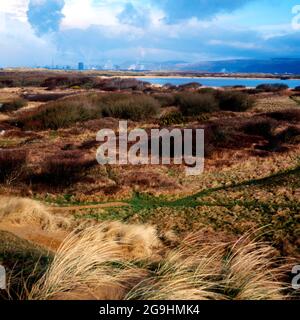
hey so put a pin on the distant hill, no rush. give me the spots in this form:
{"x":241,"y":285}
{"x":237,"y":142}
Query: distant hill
{"x":283,"y":65}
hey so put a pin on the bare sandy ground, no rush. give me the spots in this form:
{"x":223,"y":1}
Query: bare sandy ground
{"x":48,"y":240}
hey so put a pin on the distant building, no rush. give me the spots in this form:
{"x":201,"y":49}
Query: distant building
{"x":80,"y":66}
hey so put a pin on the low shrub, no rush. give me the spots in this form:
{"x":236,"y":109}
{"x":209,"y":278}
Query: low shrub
{"x":61,"y":113}
{"x":165,"y":99}
{"x":275,"y":87}
{"x":234,"y":101}
{"x":193,"y":104}
{"x":66,"y":112}
{"x":64,"y":168}
{"x":44,"y":97}
{"x":260,"y":127}
{"x":190,"y":86}
{"x":208,"y":90}
{"x":174,"y":117}
{"x":253,"y":91}
{"x":12,"y":165}
{"x":13,"y":105}
{"x":292,"y":115}
{"x":169,"y":86}
{"x":116,"y":84}
{"x":133,"y":107}
{"x":68,"y":81}
{"x":289,"y":135}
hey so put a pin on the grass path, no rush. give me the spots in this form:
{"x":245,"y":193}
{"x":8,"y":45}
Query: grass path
{"x":145,"y":201}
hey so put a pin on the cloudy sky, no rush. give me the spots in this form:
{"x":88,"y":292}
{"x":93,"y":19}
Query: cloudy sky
{"x":37,"y":32}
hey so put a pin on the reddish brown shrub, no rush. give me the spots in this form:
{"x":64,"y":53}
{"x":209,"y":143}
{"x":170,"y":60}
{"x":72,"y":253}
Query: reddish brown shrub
{"x":292,"y":115}
{"x":12,"y":165}
{"x":65,"y":167}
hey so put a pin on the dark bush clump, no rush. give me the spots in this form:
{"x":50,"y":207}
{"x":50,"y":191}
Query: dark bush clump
{"x":12,"y":165}
{"x":253,"y":91}
{"x":297,"y":89}
{"x":68,"y":81}
{"x":234,"y":101}
{"x":116,"y":84}
{"x":61,"y":114}
{"x":133,"y":107}
{"x":292,"y":115}
{"x":45,"y":97}
{"x":289,"y":135}
{"x":66,"y":112}
{"x":171,"y":118}
{"x":260,"y":127}
{"x":193,"y":104}
{"x":65,"y":168}
{"x":165,"y":99}
{"x":239,"y":86}
{"x":170,"y":86}
{"x":208,"y":90}
{"x":13,"y":105}
{"x":276,"y":87}
{"x":190,"y":86}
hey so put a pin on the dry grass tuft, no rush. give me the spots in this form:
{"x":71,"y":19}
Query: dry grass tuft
{"x":93,"y":264}
{"x":85,"y":266}
{"x":29,"y":212}
{"x":135,"y":241}
{"x":241,"y":271}
{"x":251,"y":272}
{"x":180,"y":276}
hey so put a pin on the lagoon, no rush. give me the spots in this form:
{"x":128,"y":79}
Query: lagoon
{"x":221,"y":82}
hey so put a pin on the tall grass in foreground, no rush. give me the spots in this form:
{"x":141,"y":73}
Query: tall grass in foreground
{"x":89,"y":266}
{"x":79,"y":265}
{"x":240,"y":271}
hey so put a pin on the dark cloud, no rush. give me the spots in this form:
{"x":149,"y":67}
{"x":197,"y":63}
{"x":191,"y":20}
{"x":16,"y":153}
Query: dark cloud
{"x":183,"y":9}
{"x":45,"y":16}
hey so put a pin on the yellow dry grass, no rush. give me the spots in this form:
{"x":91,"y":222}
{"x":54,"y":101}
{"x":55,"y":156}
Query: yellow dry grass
{"x":82,"y":267}
{"x":23,"y":211}
{"x":136,"y":241}
{"x":91,"y":264}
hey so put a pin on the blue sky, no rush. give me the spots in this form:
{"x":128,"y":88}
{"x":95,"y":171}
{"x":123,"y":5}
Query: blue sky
{"x":37,"y":32}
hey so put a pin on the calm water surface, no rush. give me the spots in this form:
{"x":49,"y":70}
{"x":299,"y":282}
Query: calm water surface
{"x":221,"y":82}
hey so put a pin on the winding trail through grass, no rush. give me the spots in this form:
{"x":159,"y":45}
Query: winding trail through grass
{"x":145,"y":201}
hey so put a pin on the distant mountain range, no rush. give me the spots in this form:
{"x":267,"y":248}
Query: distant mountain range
{"x":281,"y":66}
{"x":277,"y":65}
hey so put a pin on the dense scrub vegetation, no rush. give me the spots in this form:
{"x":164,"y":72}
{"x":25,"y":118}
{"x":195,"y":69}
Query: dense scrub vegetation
{"x":234,"y":101}
{"x":52,"y":80}
{"x":276,"y":87}
{"x":66,"y":112}
{"x":134,"y":107}
{"x":12,"y":165}
{"x":193,"y":104}
{"x":64,"y":168}
{"x":13,"y":105}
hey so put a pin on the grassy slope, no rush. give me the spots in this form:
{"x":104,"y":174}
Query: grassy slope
{"x":235,"y":209}
{"x":22,"y":260}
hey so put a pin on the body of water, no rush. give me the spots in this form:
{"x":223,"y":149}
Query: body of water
{"x":221,"y":82}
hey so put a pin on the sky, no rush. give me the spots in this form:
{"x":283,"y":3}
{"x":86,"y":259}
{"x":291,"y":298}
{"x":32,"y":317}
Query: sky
{"x":42,"y":32}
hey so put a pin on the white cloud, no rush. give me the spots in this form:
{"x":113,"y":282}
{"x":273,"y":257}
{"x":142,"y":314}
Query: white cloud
{"x":235,"y":44}
{"x":19,"y":45}
{"x":82,"y":14}
{"x":14,"y":8}
{"x":271,"y":31}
